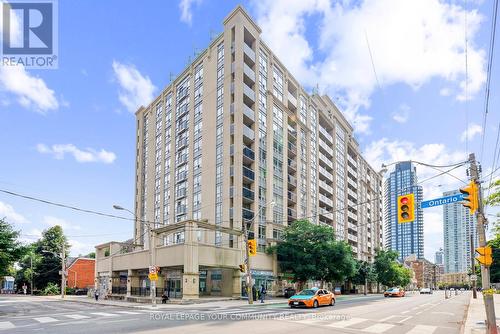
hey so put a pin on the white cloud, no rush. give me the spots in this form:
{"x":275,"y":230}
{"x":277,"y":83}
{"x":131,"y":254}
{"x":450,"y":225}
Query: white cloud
{"x":30,"y":91}
{"x":402,"y":115}
{"x":471,"y":131}
{"x":186,"y":10}
{"x":136,"y":89}
{"x":53,"y":221}
{"x":78,"y":247}
{"x":10,"y":214}
{"x":87,"y":155}
{"x":412,"y":42}
{"x":445,"y":92}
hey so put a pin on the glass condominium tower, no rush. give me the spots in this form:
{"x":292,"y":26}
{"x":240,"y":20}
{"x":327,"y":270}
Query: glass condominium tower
{"x":407,"y":238}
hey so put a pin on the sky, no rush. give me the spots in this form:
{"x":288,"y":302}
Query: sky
{"x":400,"y":70}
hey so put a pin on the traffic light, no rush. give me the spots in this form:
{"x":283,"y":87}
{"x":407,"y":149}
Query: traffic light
{"x":242,"y":268}
{"x":406,"y":208}
{"x":471,"y":197}
{"x":484,"y":255}
{"x":252,"y":247}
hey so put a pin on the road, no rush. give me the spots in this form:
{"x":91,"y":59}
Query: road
{"x":415,"y":314}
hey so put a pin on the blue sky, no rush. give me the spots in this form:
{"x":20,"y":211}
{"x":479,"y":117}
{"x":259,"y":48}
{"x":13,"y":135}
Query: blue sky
{"x":68,"y":134}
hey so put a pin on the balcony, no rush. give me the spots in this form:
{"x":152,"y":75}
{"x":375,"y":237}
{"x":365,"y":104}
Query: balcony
{"x":248,"y":155}
{"x":292,"y":166}
{"x":352,"y":215}
{"x":292,"y":149}
{"x":325,"y":173}
{"x":292,"y":101}
{"x":292,"y":197}
{"x":249,"y":73}
{"x":249,"y":93}
{"x":181,"y":160}
{"x":292,"y":181}
{"x":181,"y":143}
{"x":325,"y":200}
{"x":323,"y":159}
{"x":352,"y":237}
{"x":292,"y":134}
{"x":248,"y":53}
{"x":248,"y":113}
{"x":352,"y":171}
{"x":325,"y":186}
{"x":352,"y":183}
{"x":292,"y":214}
{"x":248,"y":134}
{"x":248,"y":195}
{"x":181,"y":209}
{"x":248,"y":174}
{"x":326,"y":135}
{"x":352,"y":161}
{"x":182,"y":126}
{"x":352,"y":227}
{"x":247,"y":214}
{"x":352,"y":193}
{"x":325,"y":147}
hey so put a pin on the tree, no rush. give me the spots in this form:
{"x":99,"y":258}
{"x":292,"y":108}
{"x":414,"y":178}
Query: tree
{"x":310,"y":252}
{"x":495,"y":266}
{"x":365,"y":273}
{"x":49,"y":248}
{"x":389,"y":271}
{"x":11,"y":249}
{"x":26,"y":272}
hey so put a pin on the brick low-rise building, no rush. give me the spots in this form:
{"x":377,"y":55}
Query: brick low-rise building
{"x":81,"y":272}
{"x":425,"y":272}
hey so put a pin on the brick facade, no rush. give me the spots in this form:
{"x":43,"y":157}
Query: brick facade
{"x":81,"y":273}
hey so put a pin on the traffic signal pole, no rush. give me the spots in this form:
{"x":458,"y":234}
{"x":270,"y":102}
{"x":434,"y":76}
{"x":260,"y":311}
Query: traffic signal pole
{"x":485,"y":270}
{"x":247,"y":264}
{"x":473,"y":265}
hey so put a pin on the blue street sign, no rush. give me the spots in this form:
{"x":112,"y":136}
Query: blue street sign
{"x":442,"y":201}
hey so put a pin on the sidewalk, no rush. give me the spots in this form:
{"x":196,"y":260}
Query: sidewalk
{"x":476,"y":315}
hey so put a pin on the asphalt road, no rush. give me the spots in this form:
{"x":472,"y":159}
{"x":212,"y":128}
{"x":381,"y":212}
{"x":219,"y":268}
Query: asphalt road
{"x":415,"y":314}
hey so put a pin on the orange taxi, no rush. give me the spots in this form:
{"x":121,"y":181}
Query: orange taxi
{"x":312,"y":298}
{"x":394,"y":292}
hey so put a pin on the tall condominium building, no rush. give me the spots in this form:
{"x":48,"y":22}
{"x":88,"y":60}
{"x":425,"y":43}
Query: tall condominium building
{"x":438,"y":257}
{"x":407,"y":238}
{"x":459,"y":228}
{"x":236,"y":139}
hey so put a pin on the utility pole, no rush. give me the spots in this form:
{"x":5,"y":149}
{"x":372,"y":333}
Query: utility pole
{"x":473,"y":264}
{"x":152,"y":252}
{"x":481,"y":232}
{"x":63,"y":273}
{"x":247,"y":264}
{"x":31,"y":263}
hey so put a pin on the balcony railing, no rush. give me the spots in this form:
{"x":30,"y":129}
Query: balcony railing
{"x":292,"y":149}
{"x":292,"y":100}
{"x":292,"y":197}
{"x":248,"y":194}
{"x":247,"y":132}
{"x":292,"y":213}
{"x":325,"y":133}
{"x":248,"y":174}
{"x":249,"y":52}
{"x":249,"y":153}
{"x":248,"y":112}
{"x":249,"y":92}
{"x":249,"y":72}
{"x":292,"y":165}
{"x":325,"y":147}
{"x":247,"y":214}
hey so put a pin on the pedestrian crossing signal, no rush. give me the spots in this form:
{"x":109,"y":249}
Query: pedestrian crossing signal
{"x":406,"y":208}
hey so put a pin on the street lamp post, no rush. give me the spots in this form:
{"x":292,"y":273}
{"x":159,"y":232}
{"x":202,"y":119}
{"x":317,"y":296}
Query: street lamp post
{"x":152,"y":252}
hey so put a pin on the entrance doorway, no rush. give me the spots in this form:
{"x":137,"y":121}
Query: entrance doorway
{"x":174,"y":288}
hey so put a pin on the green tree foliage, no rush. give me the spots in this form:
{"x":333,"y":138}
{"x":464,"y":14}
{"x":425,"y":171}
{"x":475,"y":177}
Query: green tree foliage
{"x":310,"y":252}
{"x":26,"y":271}
{"x":495,"y":266}
{"x":364,"y":271}
{"x":51,"y":289}
{"x":389,"y":271}
{"x":494,"y":198}
{"x":11,"y":249}
{"x":49,"y":248}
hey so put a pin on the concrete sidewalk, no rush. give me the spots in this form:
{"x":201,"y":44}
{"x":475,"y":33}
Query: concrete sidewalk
{"x":476,"y":315}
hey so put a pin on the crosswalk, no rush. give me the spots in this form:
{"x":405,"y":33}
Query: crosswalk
{"x":375,"y":326}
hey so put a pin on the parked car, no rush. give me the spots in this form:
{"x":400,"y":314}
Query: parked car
{"x":288,"y":292}
{"x":394,"y":292}
{"x":426,"y":291}
{"x":337,"y":290}
{"x":312,"y":298}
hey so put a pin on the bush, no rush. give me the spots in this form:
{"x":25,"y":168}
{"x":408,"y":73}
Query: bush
{"x":70,"y":291}
{"x":51,"y":289}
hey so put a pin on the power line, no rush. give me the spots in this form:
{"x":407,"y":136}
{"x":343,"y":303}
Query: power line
{"x":488,"y":73}
{"x":495,"y":157}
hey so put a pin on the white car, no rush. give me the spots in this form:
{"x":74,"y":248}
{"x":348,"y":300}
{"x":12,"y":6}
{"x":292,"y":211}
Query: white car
{"x":425,"y":291}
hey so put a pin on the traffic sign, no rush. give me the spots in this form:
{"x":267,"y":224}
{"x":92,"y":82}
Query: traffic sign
{"x":154,"y":269}
{"x":153,"y":277}
{"x":473,"y":277}
{"x":442,"y":201}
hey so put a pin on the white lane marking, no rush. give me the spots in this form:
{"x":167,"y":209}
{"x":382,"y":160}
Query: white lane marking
{"x":419,"y":312}
{"x":44,"y":320}
{"x":404,"y":312}
{"x":104,"y":314}
{"x":345,"y":323}
{"x":403,"y":320}
{"x":127,"y":312}
{"x":6,"y":325}
{"x":76,"y":316}
{"x":378,"y":328}
{"x":422,"y":329}
{"x":149,"y":311}
{"x":390,"y":317}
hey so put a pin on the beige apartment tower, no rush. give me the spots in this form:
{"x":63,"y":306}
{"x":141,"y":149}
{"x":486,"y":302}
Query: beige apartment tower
{"x":236,"y":139}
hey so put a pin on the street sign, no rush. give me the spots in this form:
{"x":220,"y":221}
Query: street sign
{"x":153,"y":269}
{"x":442,"y":201}
{"x":153,"y":277}
{"x":473,"y":277}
